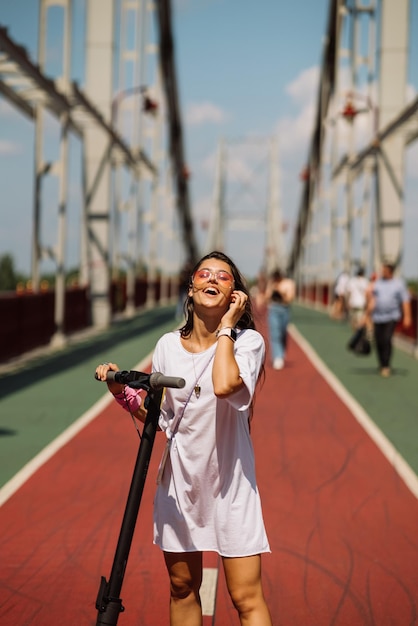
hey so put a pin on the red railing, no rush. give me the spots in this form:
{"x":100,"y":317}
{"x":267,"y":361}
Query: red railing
{"x":27,"y":318}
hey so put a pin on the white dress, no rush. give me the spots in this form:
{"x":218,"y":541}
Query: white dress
{"x":208,"y":497}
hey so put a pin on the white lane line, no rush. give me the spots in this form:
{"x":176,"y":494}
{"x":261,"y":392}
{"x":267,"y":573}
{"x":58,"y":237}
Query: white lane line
{"x":208,"y":590}
{"x":386,"y":447}
{"x":42,"y":457}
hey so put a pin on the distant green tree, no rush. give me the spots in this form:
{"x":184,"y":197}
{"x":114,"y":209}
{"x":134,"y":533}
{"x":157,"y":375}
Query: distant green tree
{"x":8,"y":276}
{"x":413,"y":286}
{"x":72,"y":276}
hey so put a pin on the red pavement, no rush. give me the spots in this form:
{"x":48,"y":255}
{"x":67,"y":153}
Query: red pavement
{"x":342,"y":525}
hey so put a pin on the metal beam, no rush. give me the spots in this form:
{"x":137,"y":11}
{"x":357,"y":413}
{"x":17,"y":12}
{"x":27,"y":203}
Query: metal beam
{"x":88,"y":110}
{"x":176,"y":135}
{"x":23,"y":83}
{"x":326,"y":89}
{"x":395,"y":125}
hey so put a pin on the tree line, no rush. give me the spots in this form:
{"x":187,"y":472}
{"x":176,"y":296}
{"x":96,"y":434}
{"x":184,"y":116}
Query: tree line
{"x":13,"y":280}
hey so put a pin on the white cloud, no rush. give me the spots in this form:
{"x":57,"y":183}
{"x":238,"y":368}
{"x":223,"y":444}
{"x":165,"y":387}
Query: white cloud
{"x":237,"y":165}
{"x":204,"y":113}
{"x":294,"y":132}
{"x":9,"y":147}
{"x":304,"y":88}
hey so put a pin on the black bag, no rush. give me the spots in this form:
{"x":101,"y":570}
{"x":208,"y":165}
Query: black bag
{"x":359,"y":343}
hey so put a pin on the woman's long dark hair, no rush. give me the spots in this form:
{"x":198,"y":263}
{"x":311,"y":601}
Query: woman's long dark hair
{"x":247,"y":318}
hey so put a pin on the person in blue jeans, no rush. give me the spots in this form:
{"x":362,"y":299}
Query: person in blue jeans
{"x":280,"y":293}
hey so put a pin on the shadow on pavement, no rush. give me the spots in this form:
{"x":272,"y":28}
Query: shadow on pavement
{"x":44,"y":366}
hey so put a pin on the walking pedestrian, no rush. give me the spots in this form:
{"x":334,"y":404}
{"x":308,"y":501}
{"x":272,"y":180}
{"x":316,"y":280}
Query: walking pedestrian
{"x":339,"y":305}
{"x":207,"y":497}
{"x":356,"y":295}
{"x":388,"y":303}
{"x":280,"y":293}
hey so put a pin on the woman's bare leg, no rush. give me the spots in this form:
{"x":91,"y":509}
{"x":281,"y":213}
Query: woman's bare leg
{"x":185,"y":572}
{"x":243,"y":579}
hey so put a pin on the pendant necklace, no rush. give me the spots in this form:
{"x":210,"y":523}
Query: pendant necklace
{"x":197,"y":387}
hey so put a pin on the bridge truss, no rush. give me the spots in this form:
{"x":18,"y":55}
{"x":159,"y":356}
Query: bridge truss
{"x":134,"y":191}
{"x":353,"y":200}
{"x":247,"y":201}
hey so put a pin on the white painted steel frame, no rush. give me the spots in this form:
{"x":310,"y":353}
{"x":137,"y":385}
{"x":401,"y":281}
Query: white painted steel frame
{"x":381,"y":163}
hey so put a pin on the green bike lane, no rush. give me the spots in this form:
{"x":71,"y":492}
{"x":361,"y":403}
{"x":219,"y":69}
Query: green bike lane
{"x":391,"y":403}
{"x":42,"y":396}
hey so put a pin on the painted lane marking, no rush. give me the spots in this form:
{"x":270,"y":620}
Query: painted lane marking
{"x":385,"y":446}
{"x":52,"y":448}
{"x":208,"y":590}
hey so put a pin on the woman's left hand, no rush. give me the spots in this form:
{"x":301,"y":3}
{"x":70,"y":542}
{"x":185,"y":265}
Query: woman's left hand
{"x":236,"y":309}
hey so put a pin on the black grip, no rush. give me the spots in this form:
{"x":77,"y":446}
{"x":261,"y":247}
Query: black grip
{"x":158,"y":380}
{"x":117,"y":377}
{"x":140,"y":380}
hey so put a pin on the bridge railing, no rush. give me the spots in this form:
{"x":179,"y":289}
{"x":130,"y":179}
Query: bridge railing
{"x":27,"y":318}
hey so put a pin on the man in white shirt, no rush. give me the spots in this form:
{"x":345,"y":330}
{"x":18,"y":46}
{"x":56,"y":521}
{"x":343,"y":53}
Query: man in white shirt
{"x":339,"y":307}
{"x":356,"y":294}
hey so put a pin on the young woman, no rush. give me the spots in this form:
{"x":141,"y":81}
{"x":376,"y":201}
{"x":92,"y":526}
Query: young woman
{"x":207,"y":498}
{"x":279,"y":295}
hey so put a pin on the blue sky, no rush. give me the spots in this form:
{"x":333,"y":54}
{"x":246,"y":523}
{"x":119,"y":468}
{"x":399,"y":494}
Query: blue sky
{"x":247,"y":71}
